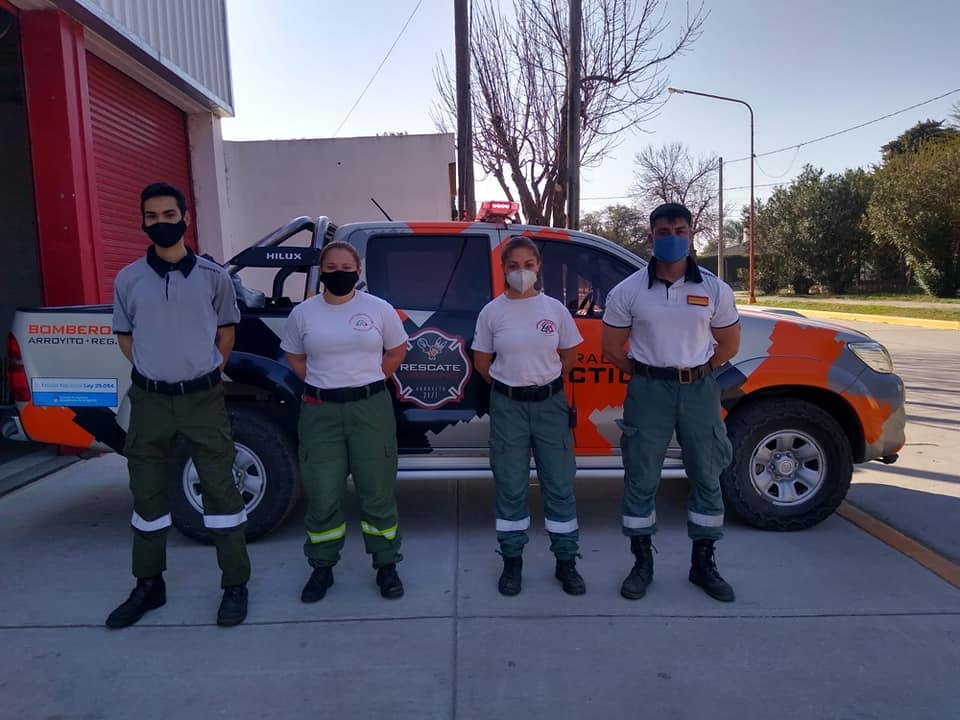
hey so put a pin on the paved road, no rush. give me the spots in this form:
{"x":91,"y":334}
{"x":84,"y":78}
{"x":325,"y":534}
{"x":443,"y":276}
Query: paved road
{"x":920,"y":494}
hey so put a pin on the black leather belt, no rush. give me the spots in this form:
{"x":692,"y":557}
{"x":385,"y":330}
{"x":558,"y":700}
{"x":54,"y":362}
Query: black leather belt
{"x":529,"y":393}
{"x":204,"y":382}
{"x":684,"y":376}
{"x":342,"y":395}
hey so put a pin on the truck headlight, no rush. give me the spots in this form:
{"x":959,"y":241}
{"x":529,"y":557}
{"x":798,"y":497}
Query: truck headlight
{"x":874,"y":356}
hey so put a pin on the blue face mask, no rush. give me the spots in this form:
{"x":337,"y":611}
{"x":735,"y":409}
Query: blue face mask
{"x":671,"y":248}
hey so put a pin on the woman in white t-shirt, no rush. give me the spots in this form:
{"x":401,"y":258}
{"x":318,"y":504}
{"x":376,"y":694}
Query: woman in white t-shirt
{"x":525,"y":344}
{"x":344,"y":344}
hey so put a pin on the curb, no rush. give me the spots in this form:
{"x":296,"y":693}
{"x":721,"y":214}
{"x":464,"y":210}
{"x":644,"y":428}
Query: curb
{"x":863,"y":317}
{"x":916,"y":551}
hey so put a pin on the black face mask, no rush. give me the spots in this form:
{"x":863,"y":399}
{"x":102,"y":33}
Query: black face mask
{"x":339,"y":282}
{"x":165,"y":234}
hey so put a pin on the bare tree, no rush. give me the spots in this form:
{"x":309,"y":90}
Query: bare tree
{"x":669,"y":173}
{"x":518,"y":88}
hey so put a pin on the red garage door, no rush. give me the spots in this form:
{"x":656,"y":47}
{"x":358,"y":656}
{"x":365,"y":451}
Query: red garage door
{"x":138,"y":138}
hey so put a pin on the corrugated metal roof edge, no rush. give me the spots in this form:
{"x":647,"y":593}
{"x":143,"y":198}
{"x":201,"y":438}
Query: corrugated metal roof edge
{"x":141,"y":53}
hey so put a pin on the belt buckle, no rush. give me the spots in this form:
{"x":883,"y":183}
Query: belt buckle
{"x":685,"y":375}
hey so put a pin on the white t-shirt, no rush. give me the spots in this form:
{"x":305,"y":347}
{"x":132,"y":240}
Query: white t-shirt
{"x":670,"y":325}
{"x":525,"y":334}
{"x":344,"y":344}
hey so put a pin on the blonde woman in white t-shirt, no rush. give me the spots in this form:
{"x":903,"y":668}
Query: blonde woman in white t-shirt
{"x":344,"y":344}
{"x":525,"y":344}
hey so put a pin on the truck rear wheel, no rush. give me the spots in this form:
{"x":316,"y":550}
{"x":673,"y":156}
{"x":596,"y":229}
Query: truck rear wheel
{"x":265,"y":471}
{"x":792,"y":464}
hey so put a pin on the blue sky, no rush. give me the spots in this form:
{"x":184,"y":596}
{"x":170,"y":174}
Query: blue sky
{"x":808,"y":68}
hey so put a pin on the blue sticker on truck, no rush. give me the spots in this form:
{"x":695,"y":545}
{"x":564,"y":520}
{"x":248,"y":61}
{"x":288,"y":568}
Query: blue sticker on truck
{"x":74,"y":392}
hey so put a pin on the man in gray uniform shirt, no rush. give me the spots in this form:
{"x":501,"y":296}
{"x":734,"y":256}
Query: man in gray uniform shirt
{"x":174,"y":315}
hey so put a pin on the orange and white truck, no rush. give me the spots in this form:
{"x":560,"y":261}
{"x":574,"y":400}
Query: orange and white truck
{"x":804,"y":400}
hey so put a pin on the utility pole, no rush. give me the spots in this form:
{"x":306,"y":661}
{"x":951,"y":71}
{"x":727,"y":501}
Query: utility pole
{"x":466,"y":203}
{"x":573,"y":119}
{"x":720,"y":268}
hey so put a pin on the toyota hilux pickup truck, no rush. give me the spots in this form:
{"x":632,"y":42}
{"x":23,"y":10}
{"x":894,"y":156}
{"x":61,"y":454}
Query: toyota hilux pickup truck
{"x":803,"y":400}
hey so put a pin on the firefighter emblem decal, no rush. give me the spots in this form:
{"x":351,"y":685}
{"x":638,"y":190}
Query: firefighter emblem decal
{"x":435,"y":370}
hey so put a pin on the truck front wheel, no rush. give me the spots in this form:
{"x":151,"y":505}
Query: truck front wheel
{"x":265,"y":470}
{"x":792,"y":464}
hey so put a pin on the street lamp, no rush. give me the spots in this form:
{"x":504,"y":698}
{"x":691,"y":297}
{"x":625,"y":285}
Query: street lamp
{"x":752,"y":298}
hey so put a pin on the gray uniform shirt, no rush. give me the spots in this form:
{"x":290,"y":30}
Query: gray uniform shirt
{"x":173,"y":312}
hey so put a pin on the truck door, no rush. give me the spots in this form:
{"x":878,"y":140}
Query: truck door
{"x":580,"y":276}
{"x":438,"y":283}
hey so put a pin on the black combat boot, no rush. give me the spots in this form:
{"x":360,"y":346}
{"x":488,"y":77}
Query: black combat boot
{"x":389,"y":582}
{"x":636,"y":583}
{"x":510,"y":582}
{"x":316,"y":588}
{"x":233,"y":606}
{"x":568,"y":576}
{"x":149,"y":594}
{"x":703,"y":572}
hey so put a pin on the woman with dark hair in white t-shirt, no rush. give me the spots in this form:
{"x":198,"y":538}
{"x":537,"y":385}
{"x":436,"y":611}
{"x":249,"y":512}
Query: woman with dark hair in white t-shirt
{"x":525,"y":344}
{"x":344,"y":344}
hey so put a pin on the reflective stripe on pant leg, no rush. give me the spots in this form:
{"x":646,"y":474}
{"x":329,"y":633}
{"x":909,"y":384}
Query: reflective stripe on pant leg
{"x":513,"y":525}
{"x":648,"y":419}
{"x":631,"y":522}
{"x":706,"y":454}
{"x":372,"y":446}
{"x":149,"y":444}
{"x":336,"y":533}
{"x":323,"y":469}
{"x":510,"y":462}
{"x":147,"y":526}
{"x":556,"y":470}
{"x":558,"y":527}
{"x":203,"y":420}
{"x":389,"y":533}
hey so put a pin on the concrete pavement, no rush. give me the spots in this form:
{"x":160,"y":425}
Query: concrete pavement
{"x":829,"y":622}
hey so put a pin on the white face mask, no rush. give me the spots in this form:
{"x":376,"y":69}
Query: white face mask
{"x":521,"y":280}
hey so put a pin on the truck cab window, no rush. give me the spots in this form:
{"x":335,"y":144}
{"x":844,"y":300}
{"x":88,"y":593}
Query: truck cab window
{"x":580,"y":277}
{"x":430,"y":272}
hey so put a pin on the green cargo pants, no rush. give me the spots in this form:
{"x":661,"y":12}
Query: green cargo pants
{"x":358,"y":437}
{"x":201,"y":418}
{"x":652,"y":410}
{"x":515,"y":426}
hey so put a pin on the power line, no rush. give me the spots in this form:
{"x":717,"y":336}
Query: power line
{"x":845,"y":130}
{"x":785,"y":172}
{"x":379,"y":67}
{"x":797,"y":148}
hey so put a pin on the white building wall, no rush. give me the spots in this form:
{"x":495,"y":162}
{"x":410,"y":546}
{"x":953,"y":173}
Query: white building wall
{"x":271,"y":182}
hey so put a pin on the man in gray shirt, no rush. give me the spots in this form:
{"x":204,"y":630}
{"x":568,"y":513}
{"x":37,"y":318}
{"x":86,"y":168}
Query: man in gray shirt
{"x":174,"y":315}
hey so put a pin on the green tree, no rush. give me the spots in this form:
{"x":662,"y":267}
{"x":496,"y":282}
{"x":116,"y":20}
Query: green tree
{"x":910,"y":141}
{"x":623,"y":224}
{"x":916,"y":207}
{"x":814,"y":230}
